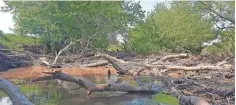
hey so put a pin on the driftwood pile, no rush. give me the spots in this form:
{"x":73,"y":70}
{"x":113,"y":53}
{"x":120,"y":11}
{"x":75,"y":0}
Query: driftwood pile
{"x":159,"y":67}
{"x":193,"y":74}
{"x":11,"y":59}
{"x":190,"y":67}
{"x":188,"y":89}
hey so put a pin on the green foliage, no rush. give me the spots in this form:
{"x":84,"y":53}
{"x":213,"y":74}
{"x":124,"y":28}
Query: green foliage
{"x":114,"y":47}
{"x":15,"y":41}
{"x":1,"y":33}
{"x":222,"y":13}
{"x":133,"y":83}
{"x":59,"y":22}
{"x":146,"y":80}
{"x":30,"y":89}
{"x":165,"y":99}
{"x":225,"y":46}
{"x":178,"y":29}
{"x":2,"y":94}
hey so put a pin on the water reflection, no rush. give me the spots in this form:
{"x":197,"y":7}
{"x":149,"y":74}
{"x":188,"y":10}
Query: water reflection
{"x":56,"y":92}
{"x":5,"y":101}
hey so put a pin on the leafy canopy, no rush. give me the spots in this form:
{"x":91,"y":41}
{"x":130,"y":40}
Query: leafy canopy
{"x":59,"y":22}
{"x":176,"y":28}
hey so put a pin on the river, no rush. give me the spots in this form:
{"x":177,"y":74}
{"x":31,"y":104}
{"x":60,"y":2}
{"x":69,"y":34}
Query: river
{"x":57,"y":92}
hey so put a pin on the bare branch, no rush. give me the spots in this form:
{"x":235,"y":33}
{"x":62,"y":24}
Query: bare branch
{"x":218,"y":14}
{"x":87,"y":44}
{"x":59,"y":53}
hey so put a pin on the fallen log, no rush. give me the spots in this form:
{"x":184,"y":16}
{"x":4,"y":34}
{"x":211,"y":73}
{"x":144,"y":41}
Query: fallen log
{"x":92,"y":87}
{"x":120,"y":69}
{"x":224,"y":61}
{"x":187,"y":100}
{"x":116,"y":64}
{"x":101,"y":63}
{"x":168,"y":57}
{"x":185,"y":68}
{"x":106,"y":56}
{"x":16,"y":97}
{"x":195,"y":68}
{"x":183,"y":99}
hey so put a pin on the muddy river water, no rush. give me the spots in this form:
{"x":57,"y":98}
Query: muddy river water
{"x":57,"y":92}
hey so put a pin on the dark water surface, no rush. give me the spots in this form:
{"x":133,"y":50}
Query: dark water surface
{"x":56,"y":92}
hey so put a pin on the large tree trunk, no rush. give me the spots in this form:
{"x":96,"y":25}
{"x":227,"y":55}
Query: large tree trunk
{"x":13,"y":92}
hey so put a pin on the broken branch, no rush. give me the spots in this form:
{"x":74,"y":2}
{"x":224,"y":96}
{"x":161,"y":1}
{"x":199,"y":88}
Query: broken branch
{"x":59,"y":53}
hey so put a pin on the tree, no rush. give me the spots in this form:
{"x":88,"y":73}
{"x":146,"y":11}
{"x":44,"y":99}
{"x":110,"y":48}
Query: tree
{"x":59,"y":22}
{"x":1,"y":33}
{"x":222,"y":13}
{"x":177,"y":28}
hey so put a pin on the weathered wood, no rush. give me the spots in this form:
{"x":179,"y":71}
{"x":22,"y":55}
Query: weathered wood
{"x":183,"y":100}
{"x":185,"y":68}
{"x":224,"y":61}
{"x":194,"y":68}
{"x":92,"y":87}
{"x":106,"y":56}
{"x":165,"y":58}
{"x":187,"y":100}
{"x":101,"y":63}
{"x":114,"y":61}
{"x":59,"y":53}
{"x":13,"y":92}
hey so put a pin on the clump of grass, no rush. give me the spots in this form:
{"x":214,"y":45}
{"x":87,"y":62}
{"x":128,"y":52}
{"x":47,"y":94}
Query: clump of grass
{"x":2,"y":94}
{"x":133,"y":83}
{"x":146,"y":80}
{"x":165,"y":99}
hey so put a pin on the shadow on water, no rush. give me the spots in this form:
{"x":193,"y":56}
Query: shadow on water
{"x":56,"y":92}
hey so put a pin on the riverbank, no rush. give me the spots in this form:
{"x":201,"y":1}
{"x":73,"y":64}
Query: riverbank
{"x":214,"y":83}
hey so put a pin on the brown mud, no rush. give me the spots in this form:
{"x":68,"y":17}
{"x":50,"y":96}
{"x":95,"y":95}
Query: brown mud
{"x":36,"y":71}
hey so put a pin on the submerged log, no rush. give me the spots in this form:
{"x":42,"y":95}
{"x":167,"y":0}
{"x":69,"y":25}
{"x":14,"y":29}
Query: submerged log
{"x":187,"y":100}
{"x":17,"y":98}
{"x":183,"y":99}
{"x":92,"y":87}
